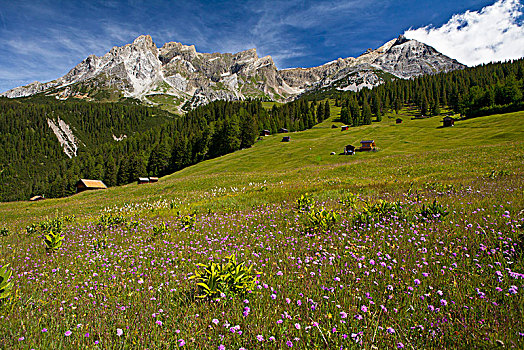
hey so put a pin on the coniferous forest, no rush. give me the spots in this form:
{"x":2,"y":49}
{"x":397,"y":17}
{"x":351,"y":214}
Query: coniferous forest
{"x":156,"y":143}
{"x":33,"y":162}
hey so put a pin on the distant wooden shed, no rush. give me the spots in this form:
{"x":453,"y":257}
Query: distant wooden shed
{"x":143,"y":180}
{"x":36,"y":198}
{"x":286,"y":139}
{"x":344,"y":128}
{"x":367,"y":145}
{"x":349,"y":150}
{"x":283,"y":130}
{"x":398,"y":121}
{"x":153,"y":179}
{"x":88,"y":185}
{"x":448,"y":121}
{"x":265,"y":133}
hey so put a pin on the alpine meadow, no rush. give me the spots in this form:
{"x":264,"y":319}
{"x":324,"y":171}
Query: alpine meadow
{"x":157,"y":197}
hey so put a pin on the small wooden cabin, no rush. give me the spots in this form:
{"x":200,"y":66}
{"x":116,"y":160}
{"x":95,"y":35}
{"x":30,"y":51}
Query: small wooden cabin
{"x":142,"y":180}
{"x":283,"y":130}
{"x":286,"y":139}
{"x":349,"y":150}
{"x":36,"y":198}
{"x":398,"y":121}
{"x":344,"y":128}
{"x":448,"y":121}
{"x":367,"y":145}
{"x":88,"y":185}
{"x":265,"y":133}
{"x":153,"y":179}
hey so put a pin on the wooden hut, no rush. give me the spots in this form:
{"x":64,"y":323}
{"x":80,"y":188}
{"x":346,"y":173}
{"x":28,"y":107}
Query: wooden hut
{"x":344,"y":128}
{"x":283,"y":130}
{"x":367,"y":145}
{"x":286,"y":139}
{"x":143,"y":180}
{"x":398,"y":121}
{"x":36,"y":198}
{"x":265,"y":133}
{"x":349,"y":150}
{"x":88,"y":185}
{"x":153,"y":179}
{"x":448,"y":121}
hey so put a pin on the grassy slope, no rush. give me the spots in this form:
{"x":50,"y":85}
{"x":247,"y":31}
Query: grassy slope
{"x":416,"y":150}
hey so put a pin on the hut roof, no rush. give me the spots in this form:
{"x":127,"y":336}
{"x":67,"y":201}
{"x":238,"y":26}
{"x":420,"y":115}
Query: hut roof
{"x":367,"y":141}
{"x":92,"y":183}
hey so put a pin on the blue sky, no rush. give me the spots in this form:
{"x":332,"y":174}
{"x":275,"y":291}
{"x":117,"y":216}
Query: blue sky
{"x":42,"y":40}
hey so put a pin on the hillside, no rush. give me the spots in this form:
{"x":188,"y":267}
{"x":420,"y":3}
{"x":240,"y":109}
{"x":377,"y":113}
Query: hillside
{"x":416,"y":245}
{"x":416,"y":150}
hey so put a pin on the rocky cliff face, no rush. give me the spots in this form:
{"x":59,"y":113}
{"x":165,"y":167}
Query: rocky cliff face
{"x":144,"y":71}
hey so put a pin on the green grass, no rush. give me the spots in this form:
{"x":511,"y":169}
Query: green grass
{"x":416,"y":150}
{"x":404,"y":278}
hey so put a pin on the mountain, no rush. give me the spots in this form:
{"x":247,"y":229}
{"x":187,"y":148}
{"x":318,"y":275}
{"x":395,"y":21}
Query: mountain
{"x":188,"y":78}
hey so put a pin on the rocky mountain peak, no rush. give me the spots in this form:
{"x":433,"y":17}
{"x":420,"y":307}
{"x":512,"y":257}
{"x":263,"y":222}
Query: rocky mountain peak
{"x":142,"y":70}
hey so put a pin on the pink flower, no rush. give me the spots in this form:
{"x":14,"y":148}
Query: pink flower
{"x":119,"y":332}
{"x":68,"y":333}
{"x":159,"y":322}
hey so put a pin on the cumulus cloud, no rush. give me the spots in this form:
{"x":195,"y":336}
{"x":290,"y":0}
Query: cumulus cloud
{"x":495,"y":33}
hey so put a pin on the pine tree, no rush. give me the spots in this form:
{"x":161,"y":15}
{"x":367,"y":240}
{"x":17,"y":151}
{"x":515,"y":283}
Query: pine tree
{"x":327,"y":110}
{"x":366,"y":113}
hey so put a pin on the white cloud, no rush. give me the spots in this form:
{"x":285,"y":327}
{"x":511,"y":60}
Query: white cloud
{"x":495,"y":33}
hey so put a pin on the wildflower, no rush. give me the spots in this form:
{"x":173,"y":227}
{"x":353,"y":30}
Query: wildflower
{"x":273,"y":296}
{"x":260,"y":337}
{"x":21,"y":338}
{"x":390,"y":330}
{"x":288,"y":300}
{"x":443,"y":302}
{"x":271,"y":338}
{"x":44,"y":330}
{"x":222,"y":347}
{"x":417,"y":282}
{"x":299,"y":302}
{"x":343,"y":315}
{"x":181,"y":342}
{"x":289,"y":343}
{"x":215,"y":321}
{"x":364,"y":308}
{"x":159,"y":322}
{"x":68,"y":333}
{"x":400,"y":346}
{"x":86,"y":335}
{"x":119,"y":332}
{"x":297,"y":325}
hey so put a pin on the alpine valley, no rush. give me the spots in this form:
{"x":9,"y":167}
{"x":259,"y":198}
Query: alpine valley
{"x":186,"y":78}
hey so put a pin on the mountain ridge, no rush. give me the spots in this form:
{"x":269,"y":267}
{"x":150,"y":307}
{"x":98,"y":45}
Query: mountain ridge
{"x":142,"y":70}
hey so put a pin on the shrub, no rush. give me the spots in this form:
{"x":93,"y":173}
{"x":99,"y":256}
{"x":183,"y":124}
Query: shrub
{"x":304,"y":203}
{"x":349,"y":200}
{"x":106,"y":221}
{"x":4,"y":232}
{"x":160,"y":229}
{"x":53,"y":241}
{"x":433,"y":210}
{"x":188,"y":221}
{"x":321,"y":220}
{"x":5,"y":284}
{"x":230,"y":279}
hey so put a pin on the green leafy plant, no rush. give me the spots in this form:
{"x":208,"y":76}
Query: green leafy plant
{"x":305,"y":203}
{"x":433,"y":210}
{"x":349,"y":200}
{"x":321,"y":220}
{"x":106,"y":221}
{"x":188,"y":221}
{"x":160,"y":229}
{"x":230,"y":278}
{"x":5,"y":284}
{"x":53,"y":241}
